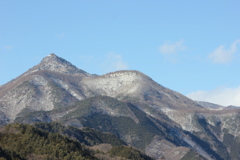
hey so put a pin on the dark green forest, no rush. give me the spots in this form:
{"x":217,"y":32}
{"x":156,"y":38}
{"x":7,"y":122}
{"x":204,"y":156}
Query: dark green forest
{"x":53,"y":141}
{"x":19,"y":141}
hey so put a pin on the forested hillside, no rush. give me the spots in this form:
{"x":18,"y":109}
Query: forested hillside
{"x":26,"y":142}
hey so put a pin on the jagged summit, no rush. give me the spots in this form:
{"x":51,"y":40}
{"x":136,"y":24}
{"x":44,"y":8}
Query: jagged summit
{"x":53,"y":58}
{"x":57,"y":64}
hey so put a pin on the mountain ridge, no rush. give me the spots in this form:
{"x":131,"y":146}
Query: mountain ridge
{"x":126,"y":103}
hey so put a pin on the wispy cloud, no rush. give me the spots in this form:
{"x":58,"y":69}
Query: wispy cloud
{"x":222,"y":55}
{"x":222,"y":96}
{"x":8,"y":47}
{"x":114,"y":62}
{"x":169,"y":48}
{"x":61,"y":35}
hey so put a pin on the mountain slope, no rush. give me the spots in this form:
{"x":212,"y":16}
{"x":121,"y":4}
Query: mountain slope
{"x":210,"y":106}
{"x":57,"y":83}
{"x":88,"y":136}
{"x":48,"y":85}
{"x":123,"y":119}
{"x":137,"y":86}
{"x":128,"y":104}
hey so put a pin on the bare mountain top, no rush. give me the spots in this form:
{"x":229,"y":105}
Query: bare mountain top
{"x":57,"y":64}
{"x":50,"y":63}
{"x":136,"y":85}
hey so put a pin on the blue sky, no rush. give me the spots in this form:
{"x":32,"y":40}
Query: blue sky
{"x":192,"y":47}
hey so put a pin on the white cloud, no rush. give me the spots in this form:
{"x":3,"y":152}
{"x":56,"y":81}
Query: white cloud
{"x":114,"y":62}
{"x":171,"y":48}
{"x":222,"y":55}
{"x":222,"y":96}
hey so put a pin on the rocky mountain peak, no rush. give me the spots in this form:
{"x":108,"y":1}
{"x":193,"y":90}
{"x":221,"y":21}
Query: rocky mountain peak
{"x":54,"y":63}
{"x":53,"y":58}
{"x":57,"y":64}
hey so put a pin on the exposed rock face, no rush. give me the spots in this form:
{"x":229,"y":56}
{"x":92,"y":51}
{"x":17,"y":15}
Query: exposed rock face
{"x":56,"y":90}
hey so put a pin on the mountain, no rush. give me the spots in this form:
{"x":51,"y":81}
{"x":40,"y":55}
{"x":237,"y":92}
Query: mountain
{"x":48,"y":85}
{"x":55,"y":83}
{"x":144,"y":114}
{"x":231,"y":107}
{"x":210,"y":106}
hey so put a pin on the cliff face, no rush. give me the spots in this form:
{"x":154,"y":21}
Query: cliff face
{"x":126,"y":103}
